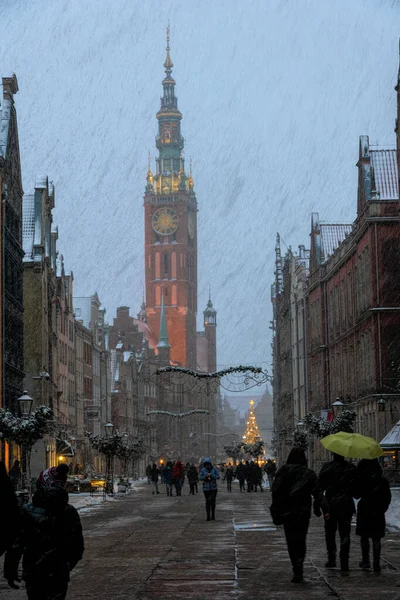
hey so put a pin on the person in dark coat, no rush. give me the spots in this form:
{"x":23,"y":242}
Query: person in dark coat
{"x":229,"y":477}
{"x":337,"y":479}
{"x":178,"y":474}
{"x":258,"y":477}
{"x":193,"y":478}
{"x":241,"y":476}
{"x":270,"y":469}
{"x":10,"y":517}
{"x":375,"y":496}
{"x":168,"y":477}
{"x":154,"y":474}
{"x":50,"y":541}
{"x":292,"y":489}
{"x":15,"y":474}
{"x":209,"y":475}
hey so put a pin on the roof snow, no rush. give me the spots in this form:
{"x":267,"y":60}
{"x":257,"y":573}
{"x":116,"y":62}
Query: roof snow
{"x":385,"y":170}
{"x":331,"y":238}
{"x":28,"y":226}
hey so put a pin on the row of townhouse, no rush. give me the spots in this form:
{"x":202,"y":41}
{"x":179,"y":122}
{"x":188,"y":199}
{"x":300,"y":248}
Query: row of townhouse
{"x":336,"y":311}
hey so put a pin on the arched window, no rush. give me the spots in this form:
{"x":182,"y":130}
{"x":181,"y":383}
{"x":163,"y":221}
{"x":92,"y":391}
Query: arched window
{"x":174,"y":298}
{"x":158,"y":295}
{"x":165,"y":265}
{"x":173,"y":265}
{"x":158,"y":266}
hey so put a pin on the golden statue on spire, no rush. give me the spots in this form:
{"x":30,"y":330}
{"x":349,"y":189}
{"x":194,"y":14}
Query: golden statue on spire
{"x":168,"y":62}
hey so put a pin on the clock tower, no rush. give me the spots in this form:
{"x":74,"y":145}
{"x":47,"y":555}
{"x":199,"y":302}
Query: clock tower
{"x":170,"y":213}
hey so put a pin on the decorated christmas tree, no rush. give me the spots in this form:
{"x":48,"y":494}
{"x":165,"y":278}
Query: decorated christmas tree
{"x":252,"y":433}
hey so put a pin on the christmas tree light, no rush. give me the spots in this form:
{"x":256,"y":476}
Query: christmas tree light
{"x":252,"y":433}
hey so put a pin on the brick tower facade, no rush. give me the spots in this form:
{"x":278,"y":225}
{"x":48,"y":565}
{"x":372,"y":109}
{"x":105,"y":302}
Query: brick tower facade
{"x":170,"y":213}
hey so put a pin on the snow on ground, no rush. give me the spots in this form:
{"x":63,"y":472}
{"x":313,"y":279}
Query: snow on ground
{"x":86,"y":501}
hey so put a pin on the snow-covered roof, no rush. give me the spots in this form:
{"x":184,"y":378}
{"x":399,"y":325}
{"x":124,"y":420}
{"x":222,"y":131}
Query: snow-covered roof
{"x":331,"y":238}
{"x":385,"y":171}
{"x":392,"y":439}
{"x":28,"y":226}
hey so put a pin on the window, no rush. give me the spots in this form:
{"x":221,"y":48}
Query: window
{"x":165,"y":265}
{"x":158,"y":295}
{"x":158,"y":266}
{"x":174,"y":300}
{"x":173,"y":265}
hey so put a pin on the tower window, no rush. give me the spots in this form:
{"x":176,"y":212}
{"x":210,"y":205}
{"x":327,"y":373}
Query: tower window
{"x":173,"y":265}
{"x":158,"y":265}
{"x":165,"y":265}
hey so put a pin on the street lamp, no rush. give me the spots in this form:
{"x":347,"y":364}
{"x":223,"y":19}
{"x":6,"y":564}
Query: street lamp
{"x":337,"y":407}
{"x":25,"y":405}
{"x":109,"y":429}
{"x":381,"y":405}
{"x":300,"y":425}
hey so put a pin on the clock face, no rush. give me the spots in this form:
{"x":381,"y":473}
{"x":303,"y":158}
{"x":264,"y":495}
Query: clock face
{"x":165,"y":221}
{"x":191,"y":225}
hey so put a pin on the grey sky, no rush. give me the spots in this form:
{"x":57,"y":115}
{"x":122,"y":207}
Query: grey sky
{"x":274,"y":96}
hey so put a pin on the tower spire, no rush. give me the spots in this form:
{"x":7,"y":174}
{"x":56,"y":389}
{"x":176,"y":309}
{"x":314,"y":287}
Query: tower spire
{"x":163,"y":337}
{"x":168,"y":62}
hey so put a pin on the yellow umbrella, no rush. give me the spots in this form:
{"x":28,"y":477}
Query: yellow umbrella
{"x":352,"y":445}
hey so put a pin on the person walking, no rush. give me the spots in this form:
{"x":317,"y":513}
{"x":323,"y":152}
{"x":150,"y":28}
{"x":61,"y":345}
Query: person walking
{"x":248,"y":476}
{"x":193,"y":478}
{"x":337,"y":479}
{"x":270,"y":469}
{"x":375,"y":496}
{"x":178,"y":474}
{"x":292,"y":489}
{"x":148,"y":475}
{"x":50,"y":540}
{"x":154,"y":473}
{"x":229,"y":477}
{"x":9,"y":511}
{"x":15,"y":475}
{"x":209,"y":475}
{"x":258,"y":477}
{"x":240,"y":475}
{"x":168,"y":477}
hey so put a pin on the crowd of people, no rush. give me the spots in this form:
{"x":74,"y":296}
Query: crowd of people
{"x":297,"y":489}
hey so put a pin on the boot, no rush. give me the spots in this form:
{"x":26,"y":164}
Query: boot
{"x":331,"y":563}
{"x":344,"y":567}
{"x":377,"y":566}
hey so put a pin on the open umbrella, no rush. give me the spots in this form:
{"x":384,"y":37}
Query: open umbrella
{"x":352,"y":445}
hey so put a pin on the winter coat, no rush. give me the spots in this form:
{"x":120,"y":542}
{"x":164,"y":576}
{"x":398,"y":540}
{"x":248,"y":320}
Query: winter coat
{"x":154,"y":473}
{"x":270,"y":468}
{"x":229,"y":474}
{"x":178,"y":472}
{"x":209,"y":475}
{"x":240,"y":472}
{"x":375,"y":497}
{"x":192,"y":475}
{"x":168,"y":475}
{"x":337,"y":479}
{"x":10,"y":515}
{"x":50,"y":539}
{"x":291,"y":493}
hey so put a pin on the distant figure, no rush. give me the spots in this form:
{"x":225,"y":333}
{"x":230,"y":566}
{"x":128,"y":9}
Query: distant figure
{"x":209,"y":475}
{"x":248,"y":476}
{"x":375,"y":496}
{"x":178,"y":474}
{"x":15,"y":475}
{"x":193,"y":478}
{"x":337,"y":479}
{"x":258,"y":477}
{"x":76,"y":469}
{"x":168,"y":477}
{"x":148,"y":475}
{"x":162,"y":473}
{"x":50,"y":540}
{"x":270,"y":469}
{"x":240,"y":475}
{"x":9,"y":511}
{"x":154,"y":473}
{"x":229,"y":477}
{"x":292,"y":489}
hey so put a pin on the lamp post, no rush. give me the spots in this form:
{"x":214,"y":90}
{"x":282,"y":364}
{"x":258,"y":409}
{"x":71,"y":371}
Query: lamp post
{"x":109,"y":430}
{"x":25,"y":406}
{"x":337,"y":407}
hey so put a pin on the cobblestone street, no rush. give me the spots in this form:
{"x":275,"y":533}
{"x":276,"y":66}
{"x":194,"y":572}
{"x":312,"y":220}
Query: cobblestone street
{"x":154,"y":547}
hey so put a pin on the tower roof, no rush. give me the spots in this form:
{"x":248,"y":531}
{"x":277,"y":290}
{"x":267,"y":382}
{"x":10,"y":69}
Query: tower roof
{"x":163,"y":338}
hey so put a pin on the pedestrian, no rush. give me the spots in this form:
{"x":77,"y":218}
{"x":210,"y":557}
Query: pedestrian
{"x":50,"y":541}
{"x":258,"y":477}
{"x":375,"y":496}
{"x":9,"y":511}
{"x":270,"y":469}
{"x":148,"y":474}
{"x":336,"y":479}
{"x":193,"y":478}
{"x":154,"y":473}
{"x":229,"y":477}
{"x":240,"y":475}
{"x":15,"y":475}
{"x":248,"y":476}
{"x":168,"y":477}
{"x":292,"y":489}
{"x":178,"y":474}
{"x":209,"y":475}
{"x":162,"y":472}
